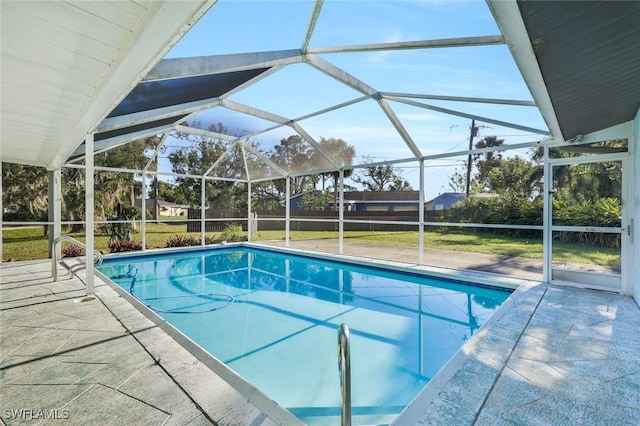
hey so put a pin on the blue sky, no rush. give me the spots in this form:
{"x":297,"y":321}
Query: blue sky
{"x":234,"y":26}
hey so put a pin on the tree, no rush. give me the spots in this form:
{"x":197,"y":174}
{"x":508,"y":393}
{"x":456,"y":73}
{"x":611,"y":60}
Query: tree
{"x":343,"y":154}
{"x":315,"y":200}
{"x":487,"y":161}
{"x":197,"y":158}
{"x":118,"y":189}
{"x":381,"y":178}
{"x":168,"y":192}
{"x":514,"y":178}
{"x":458,"y":181}
{"x":25,"y":187}
{"x":293,"y":154}
{"x":587,"y":181}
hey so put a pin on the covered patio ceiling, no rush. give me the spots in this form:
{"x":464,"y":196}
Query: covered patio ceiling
{"x":581,"y":71}
{"x":66,"y":64}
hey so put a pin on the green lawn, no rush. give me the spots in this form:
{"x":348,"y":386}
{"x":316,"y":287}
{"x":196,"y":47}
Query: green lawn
{"x":30,"y":243}
{"x":477,"y":242}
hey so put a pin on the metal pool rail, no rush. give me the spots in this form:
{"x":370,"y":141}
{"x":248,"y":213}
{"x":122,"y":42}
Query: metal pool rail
{"x":344,"y":365}
{"x":74,"y":268}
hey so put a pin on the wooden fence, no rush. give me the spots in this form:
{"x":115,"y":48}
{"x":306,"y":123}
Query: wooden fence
{"x":301,"y":220}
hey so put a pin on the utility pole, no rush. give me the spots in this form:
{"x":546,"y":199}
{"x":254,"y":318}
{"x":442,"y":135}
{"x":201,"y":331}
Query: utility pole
{"x":474,"y":132}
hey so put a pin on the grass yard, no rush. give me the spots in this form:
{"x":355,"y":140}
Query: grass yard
{"x":30,"y":243}
{"x":477,"y":242}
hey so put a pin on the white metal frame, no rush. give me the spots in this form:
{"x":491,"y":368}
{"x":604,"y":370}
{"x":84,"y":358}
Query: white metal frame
{"x":511,"y":26}
{"x":609,"y":282}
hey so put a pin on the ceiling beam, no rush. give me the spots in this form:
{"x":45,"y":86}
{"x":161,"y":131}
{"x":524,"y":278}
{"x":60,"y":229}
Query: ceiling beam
{"x":339,"y":74}
{"x":460,"y":99}
{"x":218,"y":64}
{"x":469,"y":116}
{"x":420,"y":44}
{"x":312,"y":24}
{"x":395,"y":121}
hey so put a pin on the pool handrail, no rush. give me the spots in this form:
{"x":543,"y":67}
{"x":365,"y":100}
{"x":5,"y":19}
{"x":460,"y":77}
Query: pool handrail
{"x":344,"y":366}
{"x":97,"y":258}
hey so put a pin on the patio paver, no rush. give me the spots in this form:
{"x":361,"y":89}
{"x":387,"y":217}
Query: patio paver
{"x":63,"y":359}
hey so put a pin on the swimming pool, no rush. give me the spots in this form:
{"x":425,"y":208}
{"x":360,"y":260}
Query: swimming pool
{"x":272,"y":317}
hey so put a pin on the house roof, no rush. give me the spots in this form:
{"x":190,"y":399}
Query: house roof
{"x":382,"y":196}
{"x":151,"y":202}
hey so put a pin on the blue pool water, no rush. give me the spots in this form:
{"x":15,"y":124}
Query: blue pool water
{"x":273,"y":318}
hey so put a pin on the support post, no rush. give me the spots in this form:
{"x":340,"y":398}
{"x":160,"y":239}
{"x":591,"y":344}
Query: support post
{"x":249,"y":213}
{"x":143,"y":199}
{"x":55,"y":210}
{"x":89,"y":210}
{"x":341,"y":215}
{"x":1,"y":213}
{"x":203,"y":210}
{"x":634,"y":201}
{"x":421,"y":215}
{"x":287,"y":229}
{"x":546,"y":218}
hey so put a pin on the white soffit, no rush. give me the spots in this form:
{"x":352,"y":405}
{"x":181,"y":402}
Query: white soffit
{"x":67,"y":64}
{"x":509,"y":20}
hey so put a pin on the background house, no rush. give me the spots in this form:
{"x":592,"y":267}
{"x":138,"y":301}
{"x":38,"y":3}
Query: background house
{"x":392,"y":201}
{"x":166,"y":208}
{"x":444,"y":201}
{"x":379,"y":201}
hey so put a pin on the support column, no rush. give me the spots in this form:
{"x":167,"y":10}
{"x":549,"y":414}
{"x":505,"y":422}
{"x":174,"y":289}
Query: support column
{"x":341,"y":215}
{"x":203,"y":210}
{"x":55,"y":209}
{"x":1,"y":213}
{"x":287,"y":213}
{"x":89,"y":196}
{"x":546,"y":217}
{"x":143,"y":199}
{"x":249,"y":213}
{"x":634,"y":223}
{"x":421,"y":215}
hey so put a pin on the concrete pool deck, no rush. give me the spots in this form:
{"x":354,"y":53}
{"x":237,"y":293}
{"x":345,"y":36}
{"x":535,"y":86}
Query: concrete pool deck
{"x":553,"y":355}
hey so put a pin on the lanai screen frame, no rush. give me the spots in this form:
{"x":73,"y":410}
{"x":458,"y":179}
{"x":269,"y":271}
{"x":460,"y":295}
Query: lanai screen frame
{"x":146,"y":122}
{"x":546,"y":228}
{"x":168,"y":69}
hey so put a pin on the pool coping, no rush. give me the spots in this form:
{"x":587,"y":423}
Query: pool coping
{"x":485,"y":353}
{"x":471,"y":373}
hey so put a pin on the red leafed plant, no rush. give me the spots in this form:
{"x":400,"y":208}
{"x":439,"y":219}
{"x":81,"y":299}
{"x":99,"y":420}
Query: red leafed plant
{"x":116,"y":246}
{"x":72,"y":250}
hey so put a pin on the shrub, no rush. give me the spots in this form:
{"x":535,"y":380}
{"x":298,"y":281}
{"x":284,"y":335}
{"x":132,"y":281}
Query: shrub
{"x":182,"y":241}
{"x":603,"y":212}
{"x":232,"y":233}
{"x":117,"y":246}
{"x":72,"y":251}
{"x":187,"y":241}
